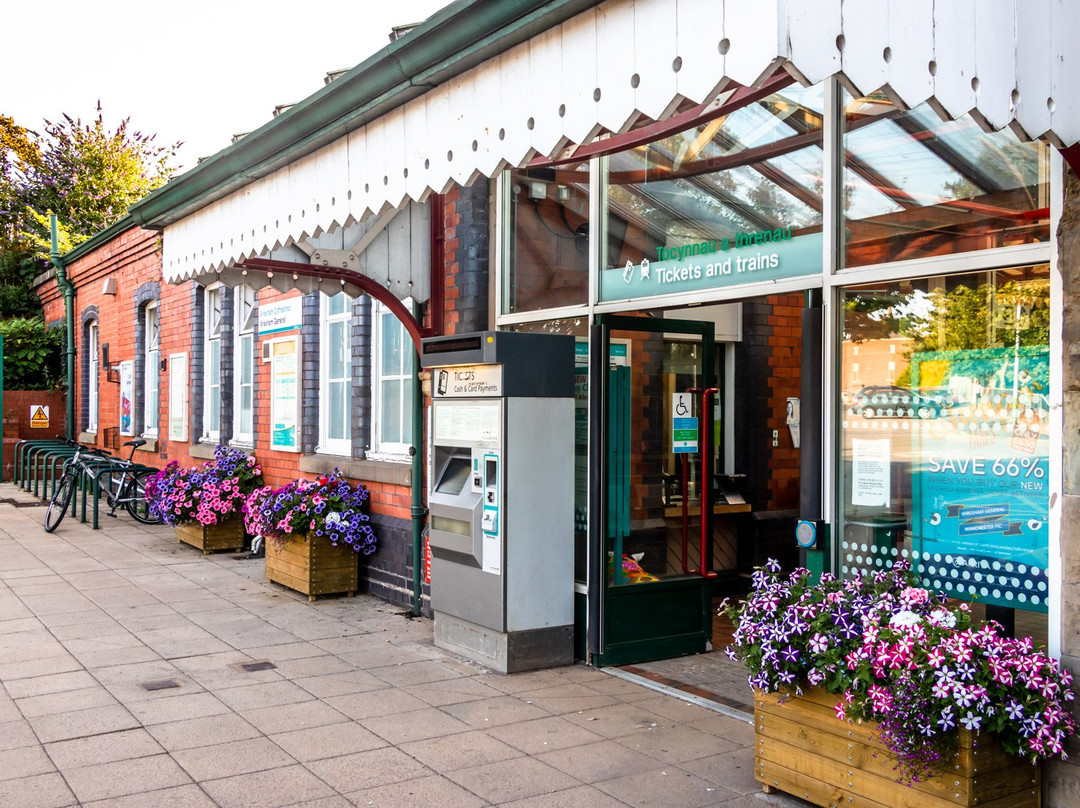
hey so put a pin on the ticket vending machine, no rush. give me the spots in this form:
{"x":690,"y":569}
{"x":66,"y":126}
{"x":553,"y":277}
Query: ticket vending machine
{"x":501,"y":497}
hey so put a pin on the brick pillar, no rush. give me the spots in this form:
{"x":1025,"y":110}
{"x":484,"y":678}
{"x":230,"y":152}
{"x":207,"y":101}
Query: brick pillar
{"x":1061,"y":779}
{"x":465,"y":257}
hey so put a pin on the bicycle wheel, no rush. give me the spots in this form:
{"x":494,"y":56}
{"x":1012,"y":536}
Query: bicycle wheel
{"x":134,"y":496}
{"x":61,"y":498}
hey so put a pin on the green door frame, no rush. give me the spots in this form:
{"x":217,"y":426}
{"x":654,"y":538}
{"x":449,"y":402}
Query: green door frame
{"x":638,"y":622}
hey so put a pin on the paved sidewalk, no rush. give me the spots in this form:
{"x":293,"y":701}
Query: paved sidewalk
{"x":267,"y":700}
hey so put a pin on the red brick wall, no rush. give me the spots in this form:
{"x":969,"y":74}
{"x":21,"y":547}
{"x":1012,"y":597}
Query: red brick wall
{"x":17,"y":412}
{"x":785,"y":379}
{"x":134,"y":258}
{"x":131,"y":259}
{"x":465,"y":219}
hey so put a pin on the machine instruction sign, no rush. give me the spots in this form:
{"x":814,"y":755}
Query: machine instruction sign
{"x":471,"y":381}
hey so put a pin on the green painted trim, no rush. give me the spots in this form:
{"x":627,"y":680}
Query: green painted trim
{"x":1,"y":407}
{"x":457,"y":38}
{"x":67,"y":290}
{"x":99,"y":239}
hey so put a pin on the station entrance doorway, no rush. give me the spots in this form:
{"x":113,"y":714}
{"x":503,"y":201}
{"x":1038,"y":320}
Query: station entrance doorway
{"x":694,"y":471}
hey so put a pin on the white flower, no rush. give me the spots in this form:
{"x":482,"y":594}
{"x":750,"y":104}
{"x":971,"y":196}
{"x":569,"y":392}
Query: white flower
{"x":904,"y":619}
{"x":942,"y":618}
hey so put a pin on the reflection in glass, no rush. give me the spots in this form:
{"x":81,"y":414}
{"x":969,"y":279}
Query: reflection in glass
{"x":756,"y":168}
{"x":945,"y":389}
{"x":915,"y":185}
{"x":549,"y":238}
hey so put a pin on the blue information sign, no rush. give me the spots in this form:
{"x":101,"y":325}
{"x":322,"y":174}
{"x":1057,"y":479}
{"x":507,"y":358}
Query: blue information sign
{"x":684,"y":434}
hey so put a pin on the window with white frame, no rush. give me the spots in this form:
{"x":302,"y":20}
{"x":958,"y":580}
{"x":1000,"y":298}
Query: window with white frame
{"x":335,"y":378}
{"x":212,"y":364}
{"x":393,"y":370}
{"x":92,"y":368}
{"x":246,"y":305}
{"x":151,"y":367}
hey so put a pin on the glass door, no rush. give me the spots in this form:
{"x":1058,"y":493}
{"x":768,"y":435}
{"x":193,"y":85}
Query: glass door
{"x":652,"y":461}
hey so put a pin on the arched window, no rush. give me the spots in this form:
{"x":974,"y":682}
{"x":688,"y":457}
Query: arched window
{"x":212,"y":327}
{"x":92,"y":367}
{"x":152,"y":366}
{"x":393,"y":370}
{"x":335,"y":377}
{"x":245,"y":302}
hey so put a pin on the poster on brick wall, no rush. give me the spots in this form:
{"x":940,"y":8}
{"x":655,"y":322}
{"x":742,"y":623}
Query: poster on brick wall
{"x":178,"y":396}
{"x":127,"y":392}
{"x":284,"y":394}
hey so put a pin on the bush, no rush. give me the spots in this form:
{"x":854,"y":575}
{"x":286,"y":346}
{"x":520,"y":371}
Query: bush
{"x":33,"y":354}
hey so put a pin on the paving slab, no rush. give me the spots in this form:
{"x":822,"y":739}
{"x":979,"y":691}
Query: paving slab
{"x":343,"y":702}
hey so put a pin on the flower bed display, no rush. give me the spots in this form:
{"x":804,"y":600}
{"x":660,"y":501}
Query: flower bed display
{"x":204,"y":504}
{"x":800,"y":748}
{"x":315,"y":531}
{"x":896,"y":657}
{"x":227,"y":535}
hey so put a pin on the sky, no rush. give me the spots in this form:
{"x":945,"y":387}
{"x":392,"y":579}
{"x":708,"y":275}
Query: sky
{"x":195,"y":72}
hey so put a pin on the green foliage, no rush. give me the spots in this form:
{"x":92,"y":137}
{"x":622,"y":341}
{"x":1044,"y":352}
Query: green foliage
{"x":86,"y":174}
{"x":17,"y":298}
{"x":987,"y":316}
{"x":33,"y":354}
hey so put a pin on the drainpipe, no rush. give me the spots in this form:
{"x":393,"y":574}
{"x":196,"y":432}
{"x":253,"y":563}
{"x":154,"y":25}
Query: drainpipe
{"x":418,"y":511}
{"x":67,"y":289}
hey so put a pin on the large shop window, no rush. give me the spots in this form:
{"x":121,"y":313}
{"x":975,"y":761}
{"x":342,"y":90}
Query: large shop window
{"x":917,"y":186}
{"x":548,"y":265}
{"x":732,"y":200}
{"x":212,"y":354}
{"x":945,"y":384}
{"x":394,"y":374}
{"x":152,"y":363}
{"x":92,"y":371}
{"x":335,"y":380}
{"x":246,"y":304}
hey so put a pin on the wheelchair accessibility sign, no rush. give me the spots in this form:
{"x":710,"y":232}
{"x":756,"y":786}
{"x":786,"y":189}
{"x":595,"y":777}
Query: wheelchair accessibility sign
{"x":684,"y":427}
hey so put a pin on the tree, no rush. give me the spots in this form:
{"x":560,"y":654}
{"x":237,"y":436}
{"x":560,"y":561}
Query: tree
{"x":86,"y":174}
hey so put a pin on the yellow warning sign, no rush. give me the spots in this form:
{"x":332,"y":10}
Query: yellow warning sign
{"x":39,"y":417}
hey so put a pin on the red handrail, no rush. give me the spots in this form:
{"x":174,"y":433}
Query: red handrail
{"x":706,"y":476}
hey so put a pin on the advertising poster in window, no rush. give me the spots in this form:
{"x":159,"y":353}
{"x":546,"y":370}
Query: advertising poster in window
{"x":127,"y":391}
{"x":178,"y":396}
{"x":980,"y":500}
{"x":284,"y":398}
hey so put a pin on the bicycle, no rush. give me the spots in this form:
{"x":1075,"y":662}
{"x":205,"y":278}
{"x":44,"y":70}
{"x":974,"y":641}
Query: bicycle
{"x":64,"y":488}
{"x":125,"y":483}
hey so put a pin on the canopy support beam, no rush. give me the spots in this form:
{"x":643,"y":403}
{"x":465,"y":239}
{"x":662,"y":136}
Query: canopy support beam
{"x":369,"y":286}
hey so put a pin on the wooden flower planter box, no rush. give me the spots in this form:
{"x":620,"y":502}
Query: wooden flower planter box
{"x":227,"y":535}
{"x":312,"y":568}
{"x":801,"y":748}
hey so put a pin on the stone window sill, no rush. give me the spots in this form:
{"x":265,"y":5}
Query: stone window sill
{"x":366,"y":471}
{"x":203,"y":451}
